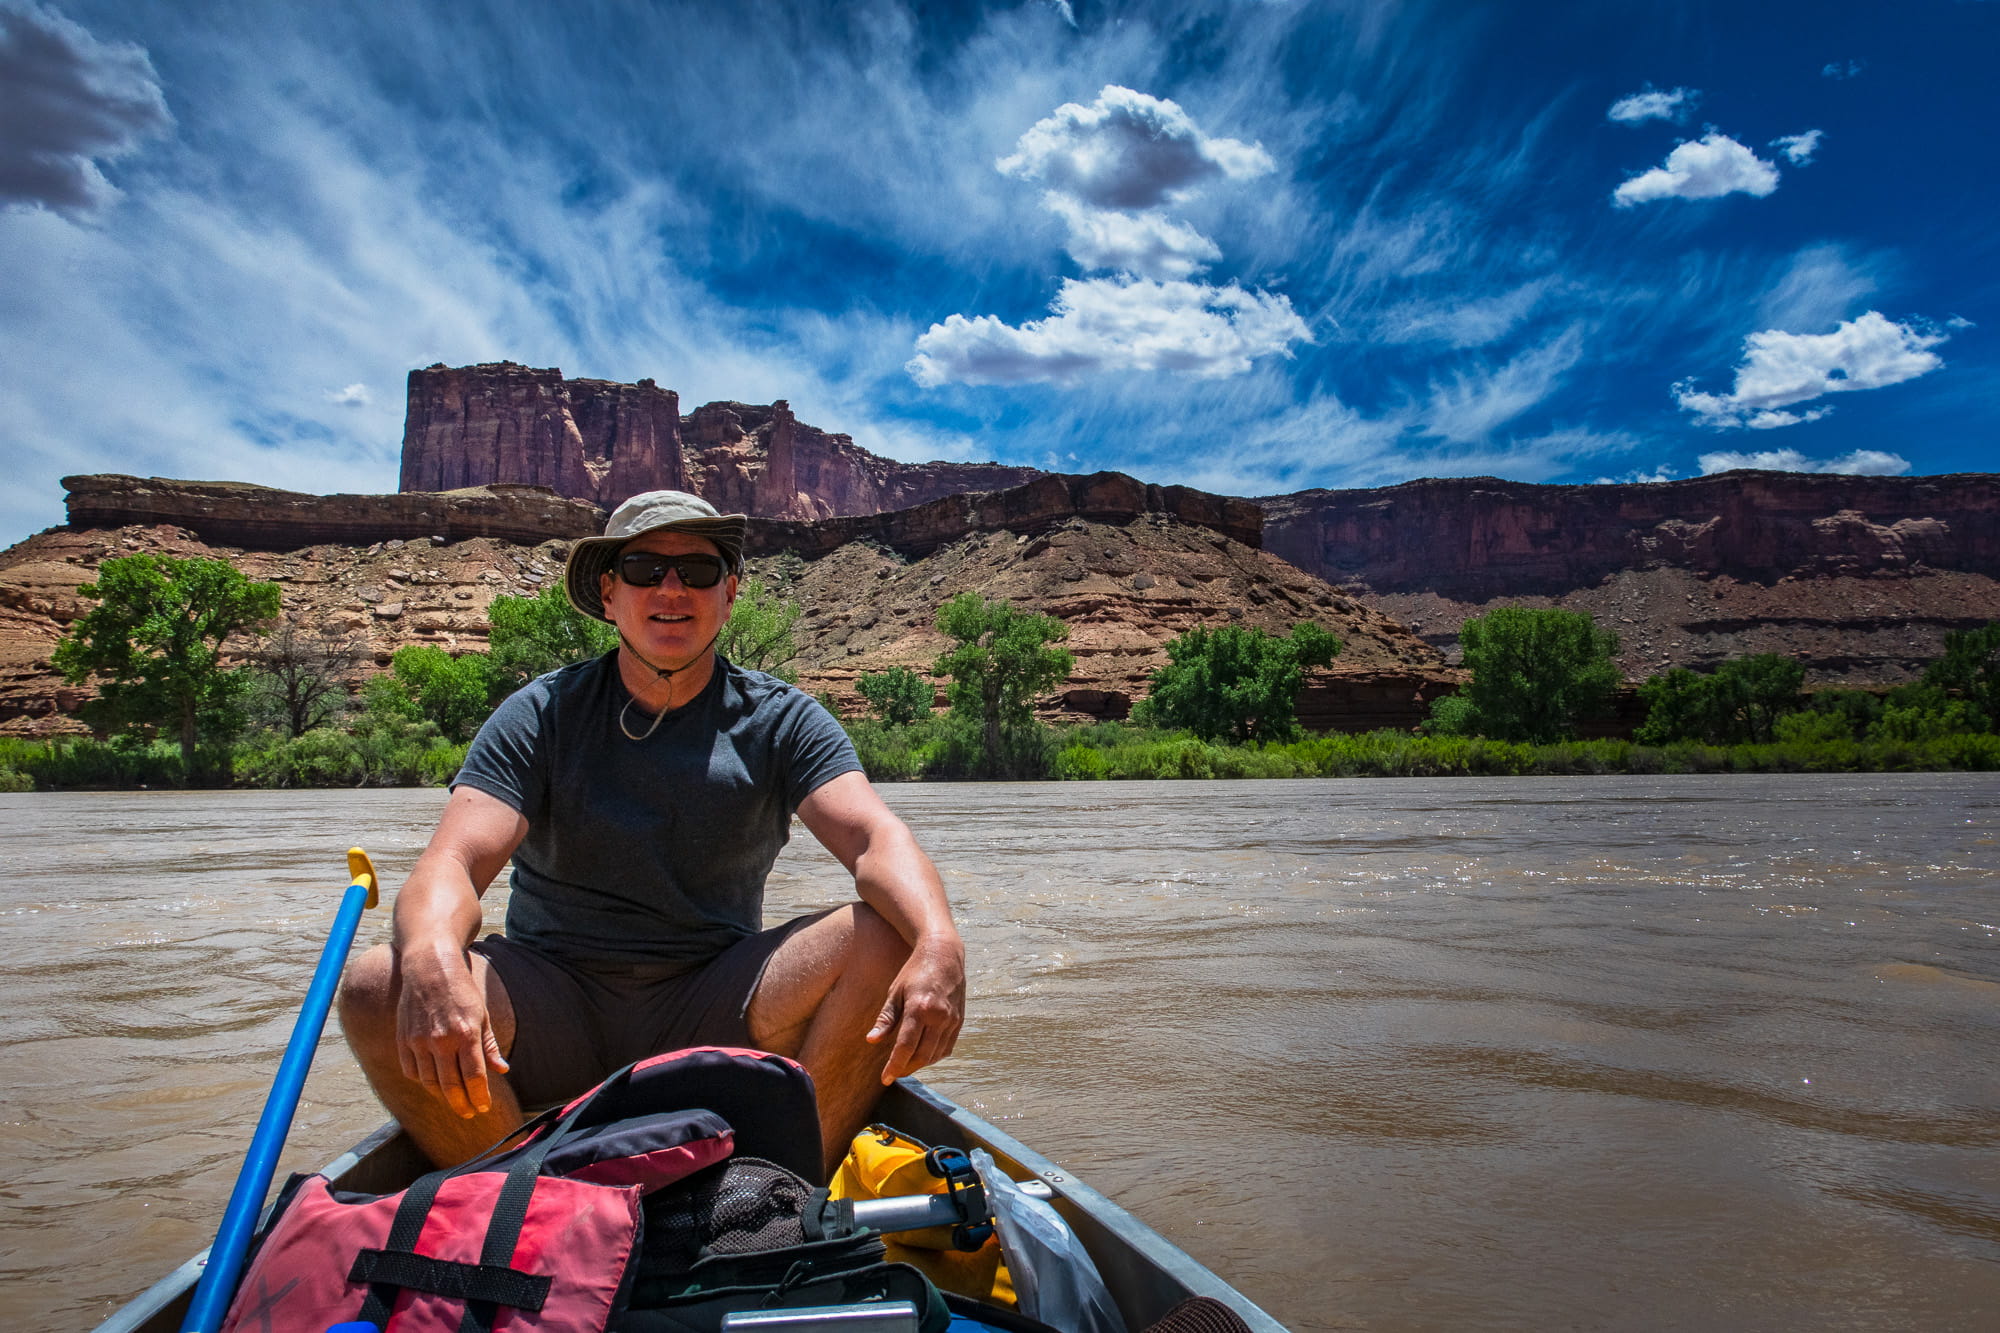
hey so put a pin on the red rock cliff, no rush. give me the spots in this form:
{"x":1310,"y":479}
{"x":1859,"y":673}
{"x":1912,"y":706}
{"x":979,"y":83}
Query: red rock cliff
{"x":600,"y":441}
{"x":1478,"y":537}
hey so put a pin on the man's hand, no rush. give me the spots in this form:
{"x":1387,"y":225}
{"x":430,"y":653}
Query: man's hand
{"x":444,"y":1037}
{"x":925,"y":1008}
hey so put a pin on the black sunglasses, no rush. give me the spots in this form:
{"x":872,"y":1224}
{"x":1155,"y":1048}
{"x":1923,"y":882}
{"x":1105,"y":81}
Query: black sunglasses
{"x":648,"y":569}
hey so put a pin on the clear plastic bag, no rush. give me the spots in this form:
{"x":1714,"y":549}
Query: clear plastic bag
{"x":1054,"y":1279}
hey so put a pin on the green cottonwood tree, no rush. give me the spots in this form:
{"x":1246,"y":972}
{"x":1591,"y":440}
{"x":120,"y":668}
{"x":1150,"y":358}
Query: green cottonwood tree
{"x":1237,"y":682}
{"x":453,"y":692}
{"x":154,"y":641}
{"x":899,"y":695}
{"x":1001,"y":660}
{"x":1970,"y":669}
{"x":759,"y":633}
{"x":1739,"y":703}
{"x":534,"y":635}
{"x":1536,"y":673}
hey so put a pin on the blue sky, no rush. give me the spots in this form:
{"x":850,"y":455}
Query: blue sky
{"x":1246,"y":245}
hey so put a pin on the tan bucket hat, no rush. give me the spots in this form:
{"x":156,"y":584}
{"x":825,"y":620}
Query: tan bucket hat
{"x":651,"y":511}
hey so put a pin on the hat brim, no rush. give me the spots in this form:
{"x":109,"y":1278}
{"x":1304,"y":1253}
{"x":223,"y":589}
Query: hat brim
{"x":590,"y":559}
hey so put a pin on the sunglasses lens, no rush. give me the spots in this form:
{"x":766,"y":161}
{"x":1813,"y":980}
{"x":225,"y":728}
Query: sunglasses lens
{"x":698,"y":571}
{"x":645,"y":569}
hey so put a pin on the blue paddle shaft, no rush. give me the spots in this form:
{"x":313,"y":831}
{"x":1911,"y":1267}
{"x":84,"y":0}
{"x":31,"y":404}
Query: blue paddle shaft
{"x":239,"y":1220}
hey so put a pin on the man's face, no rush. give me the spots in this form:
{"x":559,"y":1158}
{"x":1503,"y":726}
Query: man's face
{"x":672,"y":623}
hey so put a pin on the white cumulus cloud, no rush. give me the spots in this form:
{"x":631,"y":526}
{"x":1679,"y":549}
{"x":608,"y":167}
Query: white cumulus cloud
{"x":1704,"y":168}
{"x":67,"y":101}
{"x":1780,"y":369}
{"x":1109,"y":324}
{"x":1653,"y":104}
{"x":1111,"y":170}
{"x":354,"y":395}
{"x":1798,"y":148}
{"x":1128,"y":151}
{"x":1859,"y":463}
{"x":1142,"y":243}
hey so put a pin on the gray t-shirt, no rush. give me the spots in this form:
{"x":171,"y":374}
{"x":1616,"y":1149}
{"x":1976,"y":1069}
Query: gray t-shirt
{"x":650,"y":853}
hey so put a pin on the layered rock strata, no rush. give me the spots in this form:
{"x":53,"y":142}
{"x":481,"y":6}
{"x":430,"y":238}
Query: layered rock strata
{"x":1106,"y":497}
{"x":601,"y":441}
{"x":235,"y":513}
{"x":1858,"y":577}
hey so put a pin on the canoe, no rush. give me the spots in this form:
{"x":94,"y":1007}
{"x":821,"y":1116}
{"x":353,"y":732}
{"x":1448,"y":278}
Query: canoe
{"x":1147,"y":1275}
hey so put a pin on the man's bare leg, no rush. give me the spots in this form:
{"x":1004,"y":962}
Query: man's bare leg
{"x":820,"y":994}
{"x":368,"y":995}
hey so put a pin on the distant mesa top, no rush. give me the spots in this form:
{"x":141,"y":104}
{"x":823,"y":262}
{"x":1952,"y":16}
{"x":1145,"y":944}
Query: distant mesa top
{"x":601,"y":441}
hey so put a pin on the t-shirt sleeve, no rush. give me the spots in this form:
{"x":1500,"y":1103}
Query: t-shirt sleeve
{"x":504,"y":759}
{"x":817,"y":750}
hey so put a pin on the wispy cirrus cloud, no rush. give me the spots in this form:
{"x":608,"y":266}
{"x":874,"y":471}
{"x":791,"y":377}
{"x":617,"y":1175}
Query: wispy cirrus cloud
{"x":1705,"y":168}
{"x":68,"y":102}
{"x":1653,"y":104}
{"x":1798,"y":148}
{"x":1781,"y":370}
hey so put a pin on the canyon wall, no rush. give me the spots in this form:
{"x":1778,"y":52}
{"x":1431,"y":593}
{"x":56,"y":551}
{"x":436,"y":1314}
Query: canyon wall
{"x":600,"y":441}
{"x":1478,"y":537}
{"x":259,"y":518}
{"x":1860,"y":578}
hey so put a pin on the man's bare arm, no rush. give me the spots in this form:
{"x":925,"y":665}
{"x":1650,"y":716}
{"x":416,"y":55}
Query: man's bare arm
{"x":444,"y":1036}
{"x":926,"y":1003}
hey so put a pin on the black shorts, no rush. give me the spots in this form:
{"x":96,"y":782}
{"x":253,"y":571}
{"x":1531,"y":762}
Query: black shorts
{"x":574,"y":1025}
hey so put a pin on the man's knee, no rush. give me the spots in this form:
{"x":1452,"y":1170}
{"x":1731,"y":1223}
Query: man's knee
{"x":368,"y":998}
{"x":874,"y":945}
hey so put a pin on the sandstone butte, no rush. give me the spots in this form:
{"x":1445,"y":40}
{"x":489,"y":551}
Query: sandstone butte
{"x":503,"y":465}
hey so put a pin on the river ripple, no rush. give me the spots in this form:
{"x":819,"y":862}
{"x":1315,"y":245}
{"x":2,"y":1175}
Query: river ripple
{"x":1627,"y":1053}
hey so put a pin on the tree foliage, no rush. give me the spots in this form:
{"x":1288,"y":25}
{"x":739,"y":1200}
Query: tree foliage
{"x":1970,"y":669}
{"x":898,"y":696}
{"x":453,"y":693}
{"x":154,"y":641}
{"x":301,"y":675}
{"x":759,"y":633}
{"x":1739,"y":703}
{"x":1001,"y":659}
{"x":1235,"y":682}
{"x":1536,"y":673}
{"x":532,"y":636}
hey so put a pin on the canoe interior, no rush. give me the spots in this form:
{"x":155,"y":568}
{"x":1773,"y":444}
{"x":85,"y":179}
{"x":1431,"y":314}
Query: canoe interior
{"x":1147,"y":1275}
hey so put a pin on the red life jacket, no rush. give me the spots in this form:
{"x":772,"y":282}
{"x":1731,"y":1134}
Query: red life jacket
{"x":542,"y":1236}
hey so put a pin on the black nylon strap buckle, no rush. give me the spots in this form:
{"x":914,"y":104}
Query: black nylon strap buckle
{"x":968,"y":1195}
{"x":444,"y":1277}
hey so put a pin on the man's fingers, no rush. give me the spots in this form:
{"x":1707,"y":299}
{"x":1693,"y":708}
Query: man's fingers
{"x":909,"y":1035}
{"x":494,"y":1059}
{"x":885,"y":1022}
{"x":472,"y":1081}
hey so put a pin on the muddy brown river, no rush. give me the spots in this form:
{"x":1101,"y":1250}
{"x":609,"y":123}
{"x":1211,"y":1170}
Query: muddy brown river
{"x":1623,"y":1053}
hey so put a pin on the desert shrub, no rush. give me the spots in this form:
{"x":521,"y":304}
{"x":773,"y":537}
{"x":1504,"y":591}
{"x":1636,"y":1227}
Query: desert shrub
{"x":1814,"y":727}
{"x":72,"y":762}
{"x":1079,"y":762}
{"x":887,"y":753}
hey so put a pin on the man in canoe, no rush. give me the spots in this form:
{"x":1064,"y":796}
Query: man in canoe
{"x":643,"y":797}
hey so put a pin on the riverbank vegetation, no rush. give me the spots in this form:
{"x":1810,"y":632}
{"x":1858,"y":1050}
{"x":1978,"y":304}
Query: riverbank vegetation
{"x":1223,"y":706}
